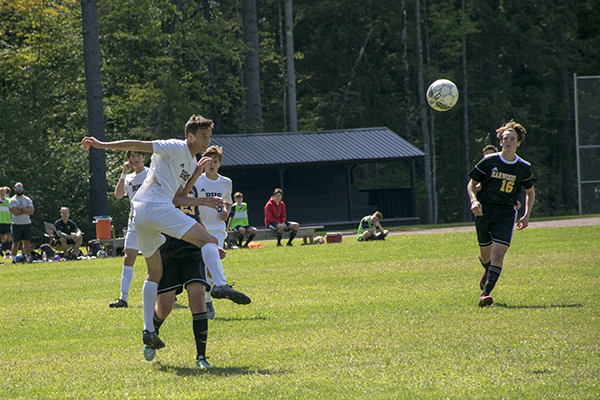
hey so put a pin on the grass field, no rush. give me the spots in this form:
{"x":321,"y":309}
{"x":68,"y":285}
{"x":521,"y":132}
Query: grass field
{"x":384,"y":320}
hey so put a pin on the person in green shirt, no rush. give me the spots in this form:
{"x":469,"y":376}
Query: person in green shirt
{"x":238,"y":218}
{"x":5,"y":220}
{"x":369,"y":228}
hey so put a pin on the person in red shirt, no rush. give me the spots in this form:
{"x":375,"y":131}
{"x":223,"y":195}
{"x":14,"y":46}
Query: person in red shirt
{"x":275,"y":217}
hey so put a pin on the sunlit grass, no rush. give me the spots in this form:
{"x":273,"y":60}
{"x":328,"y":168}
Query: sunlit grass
{"x":392,"y":319}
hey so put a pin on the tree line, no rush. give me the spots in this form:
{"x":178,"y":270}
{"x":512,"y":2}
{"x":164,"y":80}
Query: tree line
{"x":276,"y":66}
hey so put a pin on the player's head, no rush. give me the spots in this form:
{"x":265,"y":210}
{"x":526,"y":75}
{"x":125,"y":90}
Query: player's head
{"x":198,"y":124}
{"x":377,"y":216}
{"x":511,"y":126}
{"x":489,"y":149}
{"x":6,"y":190}
{"x":198,"y":131}
{"x":278,"y":194}
{"x":136,"y":158}
{"x":238,"y":196}
{"x":214,"y":152}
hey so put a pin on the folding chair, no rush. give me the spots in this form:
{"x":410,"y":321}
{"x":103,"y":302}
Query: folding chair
{"x":53,"y":241}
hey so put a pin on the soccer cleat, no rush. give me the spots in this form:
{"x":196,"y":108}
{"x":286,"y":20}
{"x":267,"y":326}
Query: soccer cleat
{"x":289,"y":244}
{"x":485,"y":300}
{"x":210,"y":310}
{"x":483,"y":280}
{"x":279,"y":245}
{"x":152,"y":340}
{"x":149,"y":353}
{"x":120,"y":303}
{"x":202,"y":363}
{"x":227,"y":292}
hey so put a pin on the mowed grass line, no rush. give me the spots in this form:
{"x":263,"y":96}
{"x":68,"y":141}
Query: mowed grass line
{"x":380,"y":320}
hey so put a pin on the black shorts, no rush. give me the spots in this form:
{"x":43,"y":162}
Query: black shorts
{"x":21,"y":232}
{"x":495,"y":225}
{"x":273,"y":225}
{"x":237,"y":228}
{"x":5,"y":229}
{"x":182,"y":265}
{"x":70,"y":241}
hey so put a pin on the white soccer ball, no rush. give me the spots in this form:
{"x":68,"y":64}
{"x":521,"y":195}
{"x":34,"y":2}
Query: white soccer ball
{"x":319,"y":240}
{"x":442,"y":95}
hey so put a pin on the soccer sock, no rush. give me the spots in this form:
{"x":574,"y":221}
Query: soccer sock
{"x":485,"y":265}
{"x":200,"y":326}
{"x":149,"y":295}
{"x":210,"y":254}
{"x":126,"y":278}
{"x":292,"y":235}
{"x":240,"y":240}
{"x":252,"y":236}
{"x":279,"y":236}
{"x":492,"y":277}
{"x":157,"y":322}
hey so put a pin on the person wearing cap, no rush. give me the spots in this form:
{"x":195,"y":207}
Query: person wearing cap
{"x":21,"y":208}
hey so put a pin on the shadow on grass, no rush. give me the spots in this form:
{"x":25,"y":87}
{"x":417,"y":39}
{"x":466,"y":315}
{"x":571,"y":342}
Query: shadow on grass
{"x":195,"y":371}
{"x":236,"y":319}
{"x":504,"y":305}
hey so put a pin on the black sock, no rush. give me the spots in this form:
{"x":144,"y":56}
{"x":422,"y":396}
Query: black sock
{"x":157,"y":322}
{"x":292,"y":235}
{"x":492,"y":277}
{"x":279,"y":236}
{"x":240,"y":240}
{"x":200,"y":326}
{"x":485,"y":265}
{"x":252,"y":236}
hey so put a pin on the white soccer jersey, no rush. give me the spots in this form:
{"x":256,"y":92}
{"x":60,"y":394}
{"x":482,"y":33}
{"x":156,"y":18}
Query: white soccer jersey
{"x":220,"y":187}
{"x":133,"y":182}
{"x":171,"y":167}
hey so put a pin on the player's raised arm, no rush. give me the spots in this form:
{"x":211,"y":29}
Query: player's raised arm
{"x":124,"y":145}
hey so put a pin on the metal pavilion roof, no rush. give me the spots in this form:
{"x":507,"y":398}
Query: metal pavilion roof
{"x":270,"y":149}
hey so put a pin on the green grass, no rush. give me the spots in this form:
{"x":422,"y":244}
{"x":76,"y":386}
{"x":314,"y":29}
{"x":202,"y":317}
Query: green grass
{"x":380,"y":320}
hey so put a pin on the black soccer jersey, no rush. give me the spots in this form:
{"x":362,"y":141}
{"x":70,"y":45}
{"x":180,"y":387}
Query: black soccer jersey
{"x":501,"y":180}
{"x":66,"y":228}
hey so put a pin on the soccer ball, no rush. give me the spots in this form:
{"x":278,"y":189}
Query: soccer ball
{"x":442,"y":95}
{"x":319,"y":240}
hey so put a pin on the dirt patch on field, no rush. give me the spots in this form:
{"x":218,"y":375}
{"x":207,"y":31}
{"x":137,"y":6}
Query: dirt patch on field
{"x":540,"y":224}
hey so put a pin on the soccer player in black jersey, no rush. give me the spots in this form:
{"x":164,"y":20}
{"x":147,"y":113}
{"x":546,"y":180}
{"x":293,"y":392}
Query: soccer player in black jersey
{"x":501,"y":176}
{"x":183,"y":267}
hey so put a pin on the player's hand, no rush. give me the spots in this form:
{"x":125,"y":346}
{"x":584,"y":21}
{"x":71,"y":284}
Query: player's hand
{"x":222,"y":253}
{"x":518,"y":206}
{"x":126,"y":167}
{"x":90,"y":141}
{"x":214,"y":202}
{"x":523,"y":222}
{"x":476,"y":208}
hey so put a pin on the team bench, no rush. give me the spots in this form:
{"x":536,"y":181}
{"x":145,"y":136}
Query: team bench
{"x":307,"y":233}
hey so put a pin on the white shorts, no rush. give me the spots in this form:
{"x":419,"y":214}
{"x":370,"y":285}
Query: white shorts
{"x":153,"y":219}
{"x":131,"y":240}
{"x":220,"y":236}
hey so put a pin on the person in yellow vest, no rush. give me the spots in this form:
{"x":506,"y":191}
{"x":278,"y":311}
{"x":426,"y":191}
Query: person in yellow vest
{"x":238,"y":218}
{"x":369,"y":228}
{"x":5,"y":220}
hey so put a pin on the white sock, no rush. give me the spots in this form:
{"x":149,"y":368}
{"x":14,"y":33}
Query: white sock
{"x":210,"y":254}
{"x":126,"y":279}
{"x":149,"y":294}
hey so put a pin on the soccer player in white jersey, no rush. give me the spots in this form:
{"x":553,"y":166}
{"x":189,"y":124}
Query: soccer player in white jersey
{"x":211,"y":184}
{"x":128,"y":186}
{"x":173,"y":163}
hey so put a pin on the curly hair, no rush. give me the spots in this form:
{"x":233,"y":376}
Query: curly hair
{"x":512,"y":126}
{"x":214,"y":152}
